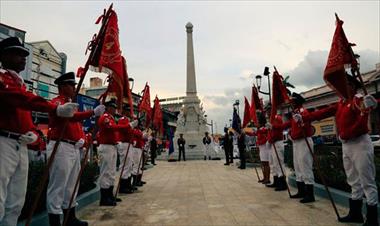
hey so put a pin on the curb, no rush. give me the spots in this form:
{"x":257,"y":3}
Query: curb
{"x":83,"y":200}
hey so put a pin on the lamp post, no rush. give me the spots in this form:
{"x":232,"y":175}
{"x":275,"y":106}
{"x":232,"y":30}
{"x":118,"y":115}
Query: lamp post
{"x":258,"y":83}
{"x":210,"y":124}
{"x":131,"y":82}
{"x":236,"y":105}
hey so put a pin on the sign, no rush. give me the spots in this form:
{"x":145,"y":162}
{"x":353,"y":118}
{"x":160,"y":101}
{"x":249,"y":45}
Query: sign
{"x":87,"y":103}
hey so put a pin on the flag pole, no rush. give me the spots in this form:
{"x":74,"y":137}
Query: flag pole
{"x":52,"y":156}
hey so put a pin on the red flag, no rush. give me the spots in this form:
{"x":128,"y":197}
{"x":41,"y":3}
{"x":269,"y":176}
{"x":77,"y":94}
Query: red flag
{"x":157,"y":116}
{"x":107,"y":57}
{"x":340,"y":57}
{"x":247,"y":113}
{"x":144,"y":105}
{"x":255,"y":104}
{"x":279,"y":94}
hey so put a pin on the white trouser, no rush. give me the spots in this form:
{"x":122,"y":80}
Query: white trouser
{"x":303,"y":160}
{"x":276,"y":165}
{"x":265,"y":152}
{"x":108,"y":159}
{"x":358,"y":162}
{"x":13,"y":180}
{"x":128,"y":163}
{"x":63,"y":174}
{"x":207,"y":150}
{"x":136,"y":158}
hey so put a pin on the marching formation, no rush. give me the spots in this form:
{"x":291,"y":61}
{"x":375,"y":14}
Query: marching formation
{"x":120,"y":134}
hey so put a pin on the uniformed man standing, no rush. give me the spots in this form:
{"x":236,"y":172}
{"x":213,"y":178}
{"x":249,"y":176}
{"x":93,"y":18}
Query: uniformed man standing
{"x":153,"y":148}
{"x":16,"y":127}
{"x":226,"y":146}
{"x":66,"y":165}
{"x":181,"y":147}
{"x":207,"y":146}
{"x":138,"y":144}
{"x":242,"y":149}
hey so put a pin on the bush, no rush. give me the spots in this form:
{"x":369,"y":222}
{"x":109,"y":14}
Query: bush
{"x":36,"y":169}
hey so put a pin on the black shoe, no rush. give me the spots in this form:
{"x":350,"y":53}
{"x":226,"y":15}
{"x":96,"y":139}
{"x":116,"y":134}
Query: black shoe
{"x":105,"y":199}
{"x":205,"y":158}
{"x":355,"y":213}
{"x":301,"y":191}
{"x":261,"y":181}
{"x":72,"y":220}
{"x":281,"y":185}
{"x":209,"y":158}
{"x":111,"y":195}
{"x":54,"y":219}
{"x":275,"y":182}
{"x":309,"y":194}
{"x":371,"y":219}
{"x":124,"y":187}
{"x":154,"y":164}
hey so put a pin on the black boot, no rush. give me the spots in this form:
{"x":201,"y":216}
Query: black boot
{"x":371,"y":216}
{"x":275,"y":182}
{"x":134,"y":180}
{"x":301,"y":191}
{"x":281,"y":185}
{"x":355,"y":213}
{"x":124,"y":188}
{"x":54,"y":219}
{"x":110,"y":190}
{"x":72,"y":220}
{"x":105,"y":198}
{"x":205,"y":158}
{"x":309,"y":194}
{"x":139,"y":178}
{"x":209,"y":158}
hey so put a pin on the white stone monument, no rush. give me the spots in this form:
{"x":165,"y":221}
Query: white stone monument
{"x":191,"y":121}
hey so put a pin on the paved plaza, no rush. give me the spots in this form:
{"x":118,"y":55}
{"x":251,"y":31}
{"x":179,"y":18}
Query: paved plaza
{"x":208,"y":193}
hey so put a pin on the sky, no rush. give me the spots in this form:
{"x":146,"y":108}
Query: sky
{"x":233,"y":41}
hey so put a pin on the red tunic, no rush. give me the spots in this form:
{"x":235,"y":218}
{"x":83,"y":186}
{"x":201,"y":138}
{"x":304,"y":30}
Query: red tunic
{"x":108,"y":129}
{"x":125,"y":133}
{"x":17,"y":102}
{"x":299,"y":130}
{"x":275,"y":134}
{"x":262,"y":136}
{"x":138,"y":137}
{"x":351,"y":121}
{"x":74,"y":129}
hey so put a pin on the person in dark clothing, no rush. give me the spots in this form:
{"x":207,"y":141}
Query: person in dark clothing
{"x":181,"y":147}
{"x":242,"y":147}
{"x":231,"y":146}
{"x":153,"y":149}
{"x":226,"y":146}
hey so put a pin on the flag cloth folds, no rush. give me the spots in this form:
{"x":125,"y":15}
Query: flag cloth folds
{"x":255,"y":105}
{"x":247,"y":113}
{"x":340,"y":57}
{"x":108,"y":59}
{"x":144,"y":105}
{"x":158,"y":123}
{"x":236,"y":121}
{"x":279,"y":94}
{"x":171,"y":143}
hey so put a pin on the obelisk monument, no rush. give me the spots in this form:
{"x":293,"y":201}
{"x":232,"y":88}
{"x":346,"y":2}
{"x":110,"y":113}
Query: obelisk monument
{"x":191,"y":121}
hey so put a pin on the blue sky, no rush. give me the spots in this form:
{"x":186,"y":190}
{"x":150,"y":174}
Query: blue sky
{"x":233,"y":40}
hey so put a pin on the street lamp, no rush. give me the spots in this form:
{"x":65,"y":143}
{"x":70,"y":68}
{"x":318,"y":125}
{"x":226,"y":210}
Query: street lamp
{"x":210,"y":124}
{"x":131,"y":83}
{"x":258,"y":83}
{"x":236,"y":104}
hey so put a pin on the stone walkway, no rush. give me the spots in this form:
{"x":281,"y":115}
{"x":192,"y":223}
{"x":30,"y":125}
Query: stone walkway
{"x":208,"y":193}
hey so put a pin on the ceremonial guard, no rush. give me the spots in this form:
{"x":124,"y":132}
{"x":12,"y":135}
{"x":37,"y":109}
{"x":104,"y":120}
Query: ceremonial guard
{"x":66,"y":165}
{"x":153,"y":148}
{"x":207,"y":146}
{"x":351,"y":118}
{"x":302,"y":158}
{"x":264,"y":148}
{"x":107,"y":139}
{"x":275,"y":139}
{"x":16,"y":127}
{"x":125,"y":137}
{"x":227,"y":145}
{"x":242,"y":147}
{"x":181,"y":147}
{"x":138,"y":144}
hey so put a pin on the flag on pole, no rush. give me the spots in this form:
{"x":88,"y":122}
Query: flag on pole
{"x":236,"y":121}
{"x":340,"y":57}
{"x":255,"y":105}
{"x":279,"y":94}
{"x":158,"y":123}
{"x":247,"y":113}
{"x":144,"y":105}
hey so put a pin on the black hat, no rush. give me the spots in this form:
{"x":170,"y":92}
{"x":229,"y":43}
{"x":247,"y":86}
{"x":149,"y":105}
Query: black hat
{"x":298,"y":99}
{"x":66,"y":78}
{"x":111,"y":103}
{"x":13,"y":43}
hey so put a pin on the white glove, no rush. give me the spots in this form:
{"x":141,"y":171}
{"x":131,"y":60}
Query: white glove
{"x":79,"y":143}
{"x":67,"y":110}
{"x":268,"y":125}
{"x":134,"y":123}
{"x":297,"y":117}
{"x":27,"y":138}
{"x":99,"y":110}
{"x":370,"y":101}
